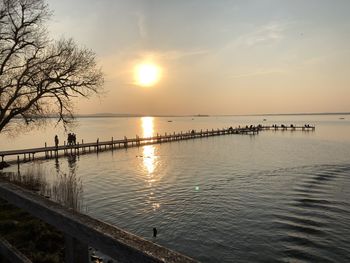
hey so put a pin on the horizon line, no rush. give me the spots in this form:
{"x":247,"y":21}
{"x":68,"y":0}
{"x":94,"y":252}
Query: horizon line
{"x":116,"y":115}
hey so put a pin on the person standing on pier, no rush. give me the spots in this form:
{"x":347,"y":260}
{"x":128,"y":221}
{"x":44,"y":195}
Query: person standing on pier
{"x":56,"y":141}
{"x":74,"y":138}
{"x":69,"y":139}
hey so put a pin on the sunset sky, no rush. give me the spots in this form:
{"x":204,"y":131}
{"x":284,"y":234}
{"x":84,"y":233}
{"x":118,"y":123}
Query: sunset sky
{"x":215,"y":57}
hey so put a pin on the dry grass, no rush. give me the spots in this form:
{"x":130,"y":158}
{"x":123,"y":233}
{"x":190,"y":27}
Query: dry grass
{"x":33,"y":178}
{"x":65,"y":189}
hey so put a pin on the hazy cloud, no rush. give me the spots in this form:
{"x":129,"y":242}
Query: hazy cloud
{"x":269,"y":33}
{"x":178,"y":54}
{"x":141,"y":25}
{"x":258,"y":73}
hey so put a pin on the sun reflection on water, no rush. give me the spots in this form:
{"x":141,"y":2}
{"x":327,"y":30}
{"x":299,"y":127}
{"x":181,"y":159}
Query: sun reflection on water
{"x":149,"y":158}
{"x":147,"y":126}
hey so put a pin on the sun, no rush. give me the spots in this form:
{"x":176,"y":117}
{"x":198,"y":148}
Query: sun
{"x":147,"y":74}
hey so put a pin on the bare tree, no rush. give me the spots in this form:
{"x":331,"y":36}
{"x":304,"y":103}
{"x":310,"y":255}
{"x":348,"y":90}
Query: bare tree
{"x":39,"y":77}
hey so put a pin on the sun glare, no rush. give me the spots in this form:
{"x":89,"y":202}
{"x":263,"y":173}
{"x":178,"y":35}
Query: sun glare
{"x":147,"y":74}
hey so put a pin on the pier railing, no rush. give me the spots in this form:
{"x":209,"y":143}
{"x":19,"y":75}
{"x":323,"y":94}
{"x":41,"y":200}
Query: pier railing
{"x":82,"y":232}
{"x":78,"y":148}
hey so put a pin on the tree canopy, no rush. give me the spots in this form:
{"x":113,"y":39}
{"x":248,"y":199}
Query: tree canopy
{"x":40,"y":77}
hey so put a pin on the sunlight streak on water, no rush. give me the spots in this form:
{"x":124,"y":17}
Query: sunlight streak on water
{"x":149,"y":159}
{"x":147,"y":124}
{"x":148,"y":150}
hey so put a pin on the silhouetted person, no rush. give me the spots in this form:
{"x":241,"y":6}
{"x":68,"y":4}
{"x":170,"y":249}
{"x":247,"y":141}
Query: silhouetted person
{"x":69,"y":139}
{"x":74,"y":139}
{"x":155,"y":232}
{"x":56,"y":141}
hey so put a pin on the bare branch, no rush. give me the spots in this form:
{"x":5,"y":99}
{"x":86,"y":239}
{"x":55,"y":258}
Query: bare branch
{"x":39,"y":77}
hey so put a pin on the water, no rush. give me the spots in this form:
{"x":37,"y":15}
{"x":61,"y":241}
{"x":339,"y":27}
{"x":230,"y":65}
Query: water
{"x":276,"y":196}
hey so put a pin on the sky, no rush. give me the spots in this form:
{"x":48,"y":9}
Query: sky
{"x":216,"y":57}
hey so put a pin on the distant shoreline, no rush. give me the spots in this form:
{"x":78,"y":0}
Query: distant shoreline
{"x":112,"y":115}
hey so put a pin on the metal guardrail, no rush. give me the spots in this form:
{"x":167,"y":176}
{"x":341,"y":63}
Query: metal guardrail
{"x":11,"y":253}
{"x":82,"y":231}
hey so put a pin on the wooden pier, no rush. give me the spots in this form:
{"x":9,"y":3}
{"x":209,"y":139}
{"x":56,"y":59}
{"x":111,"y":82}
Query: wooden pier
{"x":82,"y":148}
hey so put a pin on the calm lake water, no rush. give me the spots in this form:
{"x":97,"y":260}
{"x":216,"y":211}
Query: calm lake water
{"x":276,"y":196}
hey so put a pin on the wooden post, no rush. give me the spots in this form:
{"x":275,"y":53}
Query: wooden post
{"x":97,"y":149}
{"x":112,"y":144}
{"x":75,"y":251}
{"x":45,"y":150}
{"x":18,"y":162}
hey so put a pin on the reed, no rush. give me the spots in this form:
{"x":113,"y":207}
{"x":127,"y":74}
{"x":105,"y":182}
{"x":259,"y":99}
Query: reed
{"x":65,"y":189}
{"x":32,"y":178}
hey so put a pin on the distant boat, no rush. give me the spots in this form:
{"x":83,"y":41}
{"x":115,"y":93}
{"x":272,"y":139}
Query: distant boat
{"x":170,"y":121}
{"x":341,"y":118}
{"x":264,"y":119}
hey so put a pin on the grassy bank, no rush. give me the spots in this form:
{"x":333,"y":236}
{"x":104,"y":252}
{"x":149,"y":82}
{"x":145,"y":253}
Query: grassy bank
{"x":37,"y":240}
